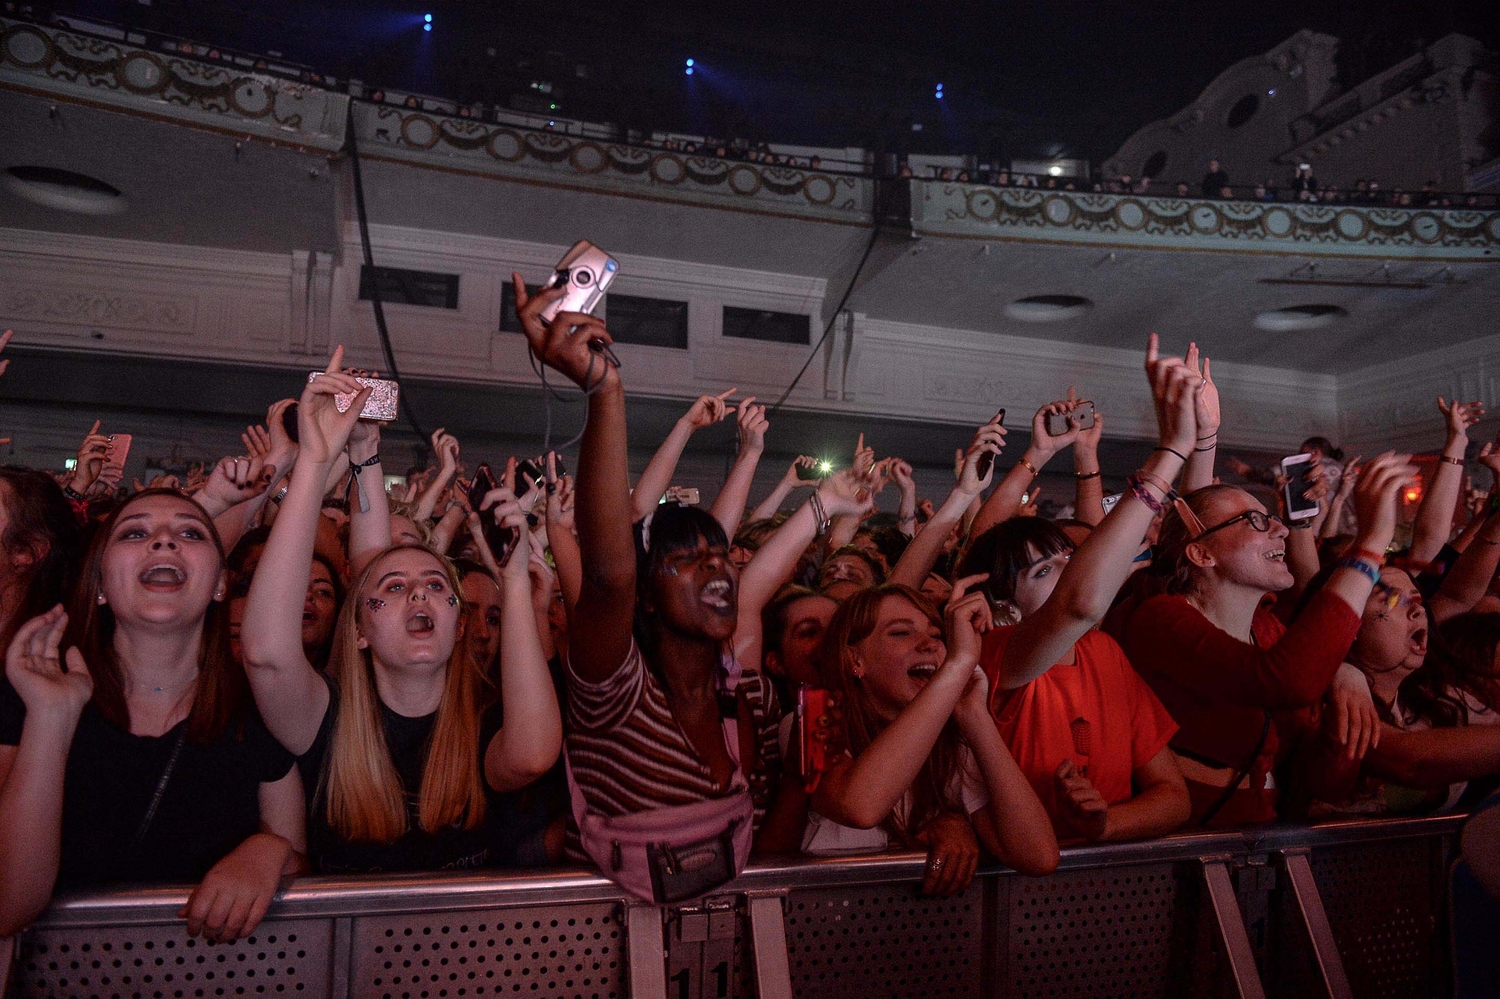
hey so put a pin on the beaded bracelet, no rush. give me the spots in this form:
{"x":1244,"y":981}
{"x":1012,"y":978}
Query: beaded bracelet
{"x":1138,"y":489}
{"x":1362,"y":567}
{"x":1158,"y":482}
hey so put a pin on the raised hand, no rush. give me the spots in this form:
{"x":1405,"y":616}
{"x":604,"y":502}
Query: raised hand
{"x":5,"y":342}
{"x":1174,"y":391}
{"x":283,"y":450}
{"x":791,"y":478}
{"x":1460,"y":416}
{"x":323,"y":431}
{"x":257,"y":442}
{"x":233,"y":481}
{"x":1085,"y":813}
{"x":846,"y":493}
{"x":752,"y":426}
{"x":708,"y":410}
{"x":51,"y":691}
{"x":1376,"y":496}
{"x":1350,"y":477}
{"x":1044,"y":442}
{"x":1206,"y":402}
{"x":967,"y":617}
{"x":988,"y":439}
{"x":572,"y":343}
{"x":864,"y":458}
{"x":92,"y":454}
{"x":445,"y":446}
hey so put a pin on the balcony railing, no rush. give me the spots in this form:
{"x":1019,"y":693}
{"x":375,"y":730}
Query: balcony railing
{"x":1346,"y":909}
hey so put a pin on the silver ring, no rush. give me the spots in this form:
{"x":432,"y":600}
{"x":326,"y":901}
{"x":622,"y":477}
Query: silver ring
{"x":937,"y":863}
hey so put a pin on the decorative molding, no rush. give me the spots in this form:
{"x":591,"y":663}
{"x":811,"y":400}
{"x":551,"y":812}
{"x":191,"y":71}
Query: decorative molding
{"x":175,"y":314}
{"x":947,"y":209}
{"x":1394,"y":404}
{"x":116,"y":73}
{"x":421,"y":137}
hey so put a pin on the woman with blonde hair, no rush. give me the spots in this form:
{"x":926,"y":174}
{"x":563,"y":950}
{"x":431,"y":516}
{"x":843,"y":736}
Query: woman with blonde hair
{"x":398,"y":762}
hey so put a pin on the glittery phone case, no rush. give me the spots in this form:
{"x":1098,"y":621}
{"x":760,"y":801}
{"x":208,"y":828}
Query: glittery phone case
{"x":380,"y":406}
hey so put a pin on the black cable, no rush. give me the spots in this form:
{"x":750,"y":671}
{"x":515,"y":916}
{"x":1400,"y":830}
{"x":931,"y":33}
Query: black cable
{"x":364,"y":239}
{"x":834,"y":316}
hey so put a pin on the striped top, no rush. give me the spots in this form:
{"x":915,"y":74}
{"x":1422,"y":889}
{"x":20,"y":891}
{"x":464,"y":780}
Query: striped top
{"x":629,"y":754}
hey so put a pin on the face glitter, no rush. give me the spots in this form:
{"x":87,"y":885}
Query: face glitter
{"x":374,"y":603}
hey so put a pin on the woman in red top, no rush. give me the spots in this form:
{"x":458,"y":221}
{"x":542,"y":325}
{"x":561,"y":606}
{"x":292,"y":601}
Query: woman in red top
{"x":1089,"y":735}
{"x":1223,"y":664}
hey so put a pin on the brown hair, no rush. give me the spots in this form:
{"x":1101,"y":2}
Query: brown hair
{"x":1460,"y":661}
{"x":1176,"y":535}
{"x":222,"y":694}
{"x":366,"y":802}
{"x":852,"y":623}
{"x":40,"y":523}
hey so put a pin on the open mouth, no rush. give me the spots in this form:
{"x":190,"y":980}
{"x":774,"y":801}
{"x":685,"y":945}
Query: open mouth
{"x":715,"y":594}
{"x":308,"y":617}
{"x":922,"y":671}
{"x":420,"y":624}
{"x":163,"y":576}
{"x":1279,"y":555}
{"x":1419,"y":640}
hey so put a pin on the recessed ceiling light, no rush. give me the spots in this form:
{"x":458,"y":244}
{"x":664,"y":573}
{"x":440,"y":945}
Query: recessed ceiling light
{"x":1047,"y":308}
{"x":64,"y":190}
{"x":1299,"y":317}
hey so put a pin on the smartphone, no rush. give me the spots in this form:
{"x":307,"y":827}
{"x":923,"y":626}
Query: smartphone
{"x":500,"y":539}
{"x":586,"y":272}
{"x":813,"y":473}
{"x":987,"y":459}
{"x":114,"y":459}
{"x":381,"y":405}
{"x":687,"y":496}
{"x":1295,"y":467}
{"x":529,"y":476}
{"x":1057,"y":423}
{"x":1110,"y":501}
{"x":289,"y":422}
{"x":814,"y":731}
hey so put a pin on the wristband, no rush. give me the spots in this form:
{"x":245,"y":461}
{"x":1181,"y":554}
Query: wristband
{"x":1137,"y":484}
{"x":1030,"y":468}
{"x":1080,"y":476}
{"x":1361,"y":566}
{"x":1171,"y":451}
{"x":73,"y":494}
{"x":1370,"y":556}
{"x":355,"y":467}
{"x":1304,"y":524}
{"x":280,"y":495}
{"x":1451,"y":461}
{"x":820,"y":516}
{"x":1159,"y":482}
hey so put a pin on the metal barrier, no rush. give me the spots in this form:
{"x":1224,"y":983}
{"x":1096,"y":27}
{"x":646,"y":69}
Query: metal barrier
{"x":1348,"y":909}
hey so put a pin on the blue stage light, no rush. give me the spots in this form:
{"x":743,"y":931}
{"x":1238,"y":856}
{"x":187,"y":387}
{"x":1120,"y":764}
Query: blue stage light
{"x":428,"y":18}
{"x":426,"y":27}
{"x":939,"y":93}
{"x":690,"y":64}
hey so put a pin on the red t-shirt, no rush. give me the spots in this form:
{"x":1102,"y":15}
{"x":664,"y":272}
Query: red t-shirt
{"x":1219,"y":689}
{"x":1097,"y":712}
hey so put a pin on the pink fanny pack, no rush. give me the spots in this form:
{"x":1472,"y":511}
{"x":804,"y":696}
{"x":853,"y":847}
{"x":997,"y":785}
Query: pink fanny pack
{"x":669,"y":855}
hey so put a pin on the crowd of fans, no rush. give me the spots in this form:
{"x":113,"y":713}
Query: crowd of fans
{"x":278,"y":666}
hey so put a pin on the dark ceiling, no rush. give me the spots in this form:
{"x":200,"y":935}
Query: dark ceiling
{"x":1021,"y":79}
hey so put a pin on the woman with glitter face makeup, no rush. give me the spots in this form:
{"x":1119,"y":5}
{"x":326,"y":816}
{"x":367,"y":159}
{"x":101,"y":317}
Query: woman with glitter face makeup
{"x":399,"y":763}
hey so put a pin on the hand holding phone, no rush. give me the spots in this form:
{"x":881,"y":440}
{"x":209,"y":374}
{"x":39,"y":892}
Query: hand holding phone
{"x":500,"y":539}
{"x":1057,"y":423}
{"x":379,"y":407}
{"x":1299,"y":506}
{"x":986,"y":460}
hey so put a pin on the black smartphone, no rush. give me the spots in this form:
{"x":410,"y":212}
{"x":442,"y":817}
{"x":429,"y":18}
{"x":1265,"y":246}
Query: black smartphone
{"x":987,"y":459}
{"x":289,"y":422}
{"x":500,"y":539}
{"x":811,"y":473}
{"x":529,"y":476}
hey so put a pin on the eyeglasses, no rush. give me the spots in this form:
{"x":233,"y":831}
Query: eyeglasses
{"x":1391,"y":598}
{"x":1258,"y":521}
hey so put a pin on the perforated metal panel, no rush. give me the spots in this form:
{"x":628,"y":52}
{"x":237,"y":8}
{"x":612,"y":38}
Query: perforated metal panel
{"x":1103,"y":932}
{"x":562,"y":951}
{"x":884,"y":940}
{"x":287,"y":958}
{"x":1383,"y":903}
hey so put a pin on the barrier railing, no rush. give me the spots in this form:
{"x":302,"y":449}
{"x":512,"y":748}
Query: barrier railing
{"x":1348,"y":909}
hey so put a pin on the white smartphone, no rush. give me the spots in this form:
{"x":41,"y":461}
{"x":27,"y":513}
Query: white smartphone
{"x":586,"y":272}
{"x":1110,"y":501}
{"x":1295,"y":467}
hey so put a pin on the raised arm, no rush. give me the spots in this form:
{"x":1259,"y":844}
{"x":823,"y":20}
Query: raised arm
{"x":292,"y":698}
{"x":925,"y":549}
{"x":1100,"y":566}
{"x":768,"y":507}
{"x":560,"y":536}
{"x":1470,"y":575}
{"x":445,"y":446}
{"x":729,"y":506}
{"x":1088,"y":480}
{"x":527,"y":745}
{"x":32,"y":772}
{"x":653,"y":483}
{"x":1434,"y":521}
{"x":369,"y":516}
{"x":1330,"y":526}
{"x":600,"y":628}
{"x":1005,"y":502}
{"x":1200,"y":463}
{"x":842,"y":493}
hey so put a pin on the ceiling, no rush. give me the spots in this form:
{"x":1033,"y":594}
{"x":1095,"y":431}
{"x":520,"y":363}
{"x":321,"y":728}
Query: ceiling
{"x":182,"y":185}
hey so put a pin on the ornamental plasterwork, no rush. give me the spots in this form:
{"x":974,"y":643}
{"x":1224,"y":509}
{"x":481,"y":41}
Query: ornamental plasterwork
{"x":943,"y":208}
{"x":63,"y":62}
{"x":424,"y":137}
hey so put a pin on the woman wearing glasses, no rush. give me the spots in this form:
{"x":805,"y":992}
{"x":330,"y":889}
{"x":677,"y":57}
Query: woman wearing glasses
{"x":1238,"y":683}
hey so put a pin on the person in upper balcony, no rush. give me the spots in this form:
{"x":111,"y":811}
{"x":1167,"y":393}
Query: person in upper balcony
{"x":1214,"y":181}
{"x":1303,"y":185}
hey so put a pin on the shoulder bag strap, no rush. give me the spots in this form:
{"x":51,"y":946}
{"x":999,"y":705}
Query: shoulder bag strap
{"x":1239,"y":774}
{"x":161,"y":788}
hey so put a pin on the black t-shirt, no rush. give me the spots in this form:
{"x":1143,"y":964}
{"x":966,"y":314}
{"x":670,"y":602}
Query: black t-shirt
{"x":417,"y":850}
{"x":209,"y":806}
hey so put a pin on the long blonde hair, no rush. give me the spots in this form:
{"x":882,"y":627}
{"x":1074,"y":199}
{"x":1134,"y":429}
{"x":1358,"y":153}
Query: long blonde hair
{"x":366,"y":801}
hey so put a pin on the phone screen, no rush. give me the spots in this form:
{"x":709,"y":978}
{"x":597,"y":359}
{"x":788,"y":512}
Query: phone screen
{"x":1295,"y":468}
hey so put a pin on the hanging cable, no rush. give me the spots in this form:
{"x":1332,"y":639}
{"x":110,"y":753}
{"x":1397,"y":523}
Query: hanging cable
{"x":364,"y":240}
